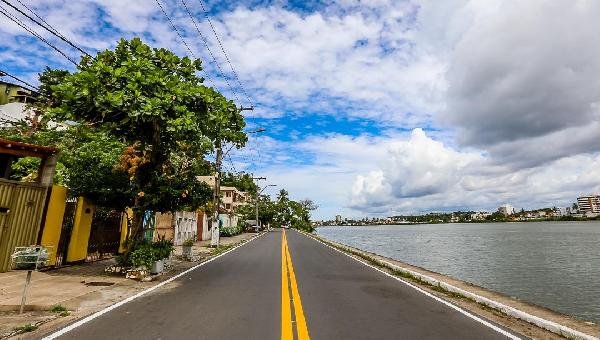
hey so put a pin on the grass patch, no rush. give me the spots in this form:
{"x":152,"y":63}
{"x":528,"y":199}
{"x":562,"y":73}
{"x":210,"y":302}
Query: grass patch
{"x":58,"y":309}
{"x":218,"y":250}
{"x":25,"y":328}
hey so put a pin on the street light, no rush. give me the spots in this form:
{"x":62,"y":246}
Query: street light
{"x":257,"y":197}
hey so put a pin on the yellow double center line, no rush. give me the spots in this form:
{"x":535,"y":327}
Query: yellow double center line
{"x":288,"y":283}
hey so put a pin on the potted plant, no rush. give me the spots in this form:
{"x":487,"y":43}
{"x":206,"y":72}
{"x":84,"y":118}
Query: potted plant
{"x":187,"y":247}
{"x":163,"y":249}
{"x":142,"y":258}
{"x":157,"y":266}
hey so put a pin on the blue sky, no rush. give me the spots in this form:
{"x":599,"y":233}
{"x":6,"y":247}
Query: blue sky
{"x":380,"y":107}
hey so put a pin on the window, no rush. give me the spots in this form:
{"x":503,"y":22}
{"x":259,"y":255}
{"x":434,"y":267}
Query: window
{"x":228,"y":194}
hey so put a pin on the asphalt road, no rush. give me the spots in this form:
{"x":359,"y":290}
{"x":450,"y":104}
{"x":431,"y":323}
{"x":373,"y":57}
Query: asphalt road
{"x":241,"y":295}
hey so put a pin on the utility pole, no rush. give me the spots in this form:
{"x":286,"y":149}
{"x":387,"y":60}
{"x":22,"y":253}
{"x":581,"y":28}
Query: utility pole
{"x":214,"y":239}
{"x":257,"y":197}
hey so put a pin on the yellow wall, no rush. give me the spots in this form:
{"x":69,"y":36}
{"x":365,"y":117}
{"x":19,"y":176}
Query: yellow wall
{"x":81,"y":230}
{"x":127,"y":214}
{"x":54,"y":220}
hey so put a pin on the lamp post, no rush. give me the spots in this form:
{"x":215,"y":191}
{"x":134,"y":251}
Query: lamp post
{"x":257,"y":197}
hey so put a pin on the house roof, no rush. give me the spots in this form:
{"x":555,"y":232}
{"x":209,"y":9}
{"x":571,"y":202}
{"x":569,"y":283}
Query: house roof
{"x":9,"y":147}
{"x":13,"y":112}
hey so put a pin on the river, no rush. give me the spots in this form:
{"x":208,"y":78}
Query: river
{"x":551,"y":264}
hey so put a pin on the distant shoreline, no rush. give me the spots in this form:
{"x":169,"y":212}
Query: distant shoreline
{"x":574,"y":219}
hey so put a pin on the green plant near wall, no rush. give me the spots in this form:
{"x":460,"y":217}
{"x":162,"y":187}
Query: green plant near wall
{"x":190,"y":241}
{"x":163,"y":248}
{"x":231,"y":231}
{"x":143,"y":256}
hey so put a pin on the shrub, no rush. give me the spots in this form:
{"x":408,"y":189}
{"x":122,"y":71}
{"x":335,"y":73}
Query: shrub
{"x":26,"y":328}
{"x":190,"y":241}
{"x":58,"y":309}
{"x":231,"y":231}
{"x":163,"y":248}
{"x":145,"y":255}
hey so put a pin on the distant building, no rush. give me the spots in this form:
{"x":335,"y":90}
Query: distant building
{"x":13,"y":103}
{"x":506,"y":209}
{"x":589,"y":205}
{"x":479,"y":215}
{"x":231,"y":199}
{"x":562,"y":211}
{"x":338,"y":219}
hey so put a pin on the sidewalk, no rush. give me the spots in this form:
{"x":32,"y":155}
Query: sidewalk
{"x":82,"y":289}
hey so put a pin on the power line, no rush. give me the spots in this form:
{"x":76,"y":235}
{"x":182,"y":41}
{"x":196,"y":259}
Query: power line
{"x":225,"y":53}
{"x":209,"y":51}
{"x":6,"y":74}
{"x":14,"y":19}
{"x":162,"y":9}
{"x":231,"y":163}
{"x":230,"y":65}
{"x":52,"y":30}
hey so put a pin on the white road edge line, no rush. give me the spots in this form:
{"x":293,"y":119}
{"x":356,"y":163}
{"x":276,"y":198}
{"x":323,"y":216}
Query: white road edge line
{"x":458,"y":309}
{"x":142,"y":293}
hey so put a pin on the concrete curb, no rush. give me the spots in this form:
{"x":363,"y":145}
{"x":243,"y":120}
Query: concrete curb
{"x":508,"y":310}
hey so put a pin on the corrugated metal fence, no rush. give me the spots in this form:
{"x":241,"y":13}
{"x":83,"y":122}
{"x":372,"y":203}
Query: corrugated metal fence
{"x":21,"y":208}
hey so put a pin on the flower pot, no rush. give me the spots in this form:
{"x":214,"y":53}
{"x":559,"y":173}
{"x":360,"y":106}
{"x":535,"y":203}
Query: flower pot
{"x":157,"y":267}
{"x":187,"y":252}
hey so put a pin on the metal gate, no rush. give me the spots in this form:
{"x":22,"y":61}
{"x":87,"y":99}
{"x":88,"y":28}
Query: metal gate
{"x":21,"y":208}
{"x":105,"y":234}
{"x":65,"y":233}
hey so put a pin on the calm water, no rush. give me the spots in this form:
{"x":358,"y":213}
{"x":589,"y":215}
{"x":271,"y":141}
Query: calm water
{"x":551,"y":264}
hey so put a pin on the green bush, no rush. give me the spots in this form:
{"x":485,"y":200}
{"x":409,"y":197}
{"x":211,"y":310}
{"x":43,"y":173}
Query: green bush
{"x":163,"y":248}
{"x":231,"y":231}
{"x":190,"y":241}
{"x":58,"y":309}
{"x":145,"y":255}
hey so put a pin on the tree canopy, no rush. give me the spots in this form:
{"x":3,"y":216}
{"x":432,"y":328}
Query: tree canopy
{"x":135,"y":124}
{"x":282,"y":211}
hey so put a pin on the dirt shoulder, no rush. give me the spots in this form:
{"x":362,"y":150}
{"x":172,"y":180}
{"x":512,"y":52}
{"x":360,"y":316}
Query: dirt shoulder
{"x":470,"y":305}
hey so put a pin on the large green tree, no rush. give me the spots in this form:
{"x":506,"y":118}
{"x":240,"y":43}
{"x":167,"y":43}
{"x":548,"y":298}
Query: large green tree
{"x":153,"y":102}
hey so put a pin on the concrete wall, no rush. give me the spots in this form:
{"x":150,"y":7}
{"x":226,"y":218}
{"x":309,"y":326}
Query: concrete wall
{"x":164,"y":226}
{"x":228,"y":220}
{"x":186,"y":225}
{"x":82,"y":226}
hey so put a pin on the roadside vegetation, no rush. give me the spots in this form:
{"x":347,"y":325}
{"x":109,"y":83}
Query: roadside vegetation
{"x":282,"y":211}
{"x":134,"y":126}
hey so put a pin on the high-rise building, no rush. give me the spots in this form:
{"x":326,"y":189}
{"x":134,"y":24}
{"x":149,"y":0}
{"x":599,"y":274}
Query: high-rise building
{"x":506,"y":209}
{"x":338,"y":219}
{"x":589,"y":205}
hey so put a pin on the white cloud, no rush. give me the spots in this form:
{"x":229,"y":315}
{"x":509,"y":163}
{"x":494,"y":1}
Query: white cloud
{"x":420,"y":174}
{"x":523,"y":70}
{"x":510,"y":85}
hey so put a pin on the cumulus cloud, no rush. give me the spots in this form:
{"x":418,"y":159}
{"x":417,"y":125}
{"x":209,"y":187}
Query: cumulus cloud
{"x":420,"y":174}
{"x":525,"y":72}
